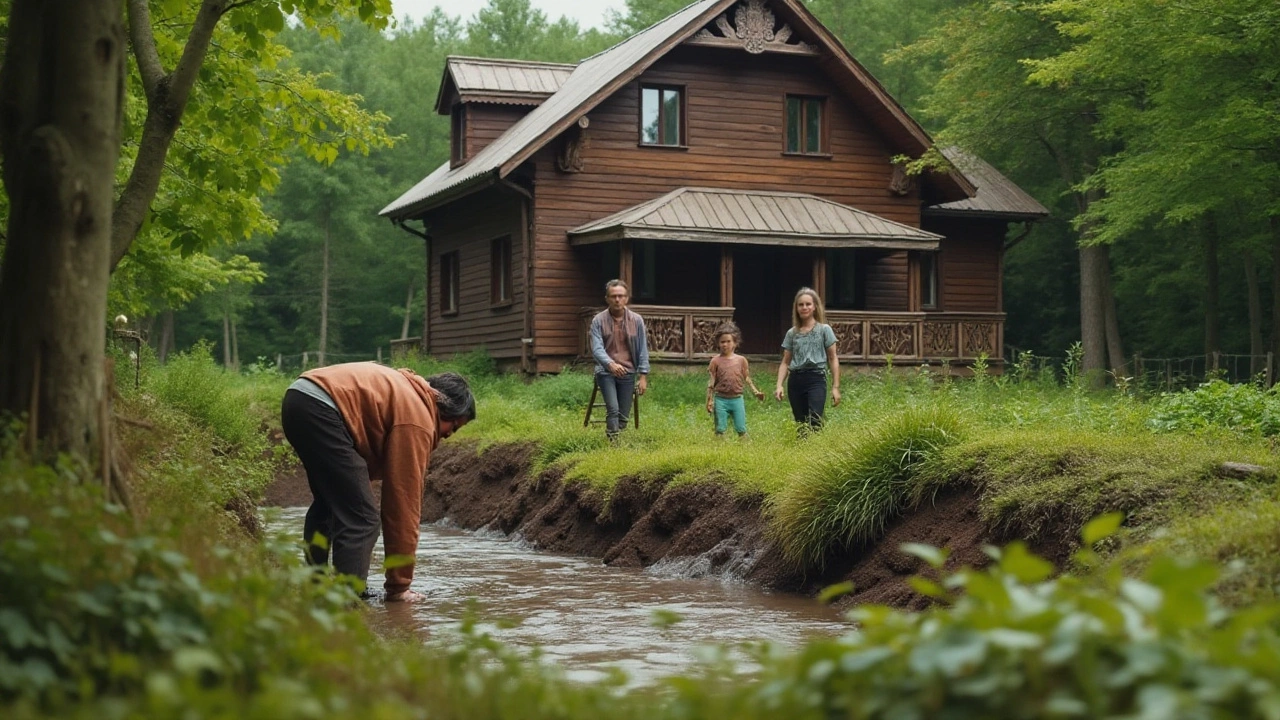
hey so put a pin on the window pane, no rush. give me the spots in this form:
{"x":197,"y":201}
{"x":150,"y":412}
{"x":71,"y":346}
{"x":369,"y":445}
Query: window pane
{"x":670,"y":117}
{"x":813,"y":126}
{"x":793,"y":124}
{"x":928,"y":280}
{"x":649,"y":116}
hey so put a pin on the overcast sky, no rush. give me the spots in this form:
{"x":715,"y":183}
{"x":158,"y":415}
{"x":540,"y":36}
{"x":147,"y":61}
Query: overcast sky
{"x":588,"y":13}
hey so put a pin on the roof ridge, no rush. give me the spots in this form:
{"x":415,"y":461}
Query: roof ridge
{"x":509,"y":61}
{"x":642,"y":32}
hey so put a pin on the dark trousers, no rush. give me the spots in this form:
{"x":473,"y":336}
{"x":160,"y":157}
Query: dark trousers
{"x":343,"y":511}
{"x":807,"y":391}
{"x":617,"y":393}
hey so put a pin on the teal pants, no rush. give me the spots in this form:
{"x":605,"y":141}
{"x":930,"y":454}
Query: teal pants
{"x":731,"y":407}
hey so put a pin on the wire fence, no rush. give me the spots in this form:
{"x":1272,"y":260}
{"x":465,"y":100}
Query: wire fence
{"x":1158,"y":374}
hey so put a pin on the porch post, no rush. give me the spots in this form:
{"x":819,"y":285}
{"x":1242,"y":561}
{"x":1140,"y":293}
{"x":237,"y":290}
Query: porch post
{"x":820,"y":273}
{"x":625,"y":263}
{"x":726,"y":276}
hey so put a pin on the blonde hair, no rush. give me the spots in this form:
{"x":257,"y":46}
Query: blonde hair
{"x":819,"y":312}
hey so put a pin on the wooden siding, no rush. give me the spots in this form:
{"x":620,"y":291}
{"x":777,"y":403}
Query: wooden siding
{"x":735,"y":106}
{"x":467,"y":227}
{"x":969,"y":271}
{"x":485,"y":122}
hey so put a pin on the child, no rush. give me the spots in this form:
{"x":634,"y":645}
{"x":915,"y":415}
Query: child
{"x":729,"y":373}
{"x":808,"y":354}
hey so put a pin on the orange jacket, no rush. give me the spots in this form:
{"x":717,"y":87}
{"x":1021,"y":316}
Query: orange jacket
{"x":392,"y":417}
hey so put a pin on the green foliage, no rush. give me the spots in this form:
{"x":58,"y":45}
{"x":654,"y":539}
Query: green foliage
{"x":193,"y":383}
{"x":1218,"y":404}
{"x":1007,"y":642}
{"x":846,"y":492}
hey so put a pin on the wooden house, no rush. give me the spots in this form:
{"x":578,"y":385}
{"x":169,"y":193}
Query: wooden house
{"x":717,"y":161}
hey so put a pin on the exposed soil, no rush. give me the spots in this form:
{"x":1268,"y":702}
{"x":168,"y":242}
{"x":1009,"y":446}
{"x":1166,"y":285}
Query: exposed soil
{"x":648,"y":522}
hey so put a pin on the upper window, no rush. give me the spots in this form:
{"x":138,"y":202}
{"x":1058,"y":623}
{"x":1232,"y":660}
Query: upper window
{"x":449,"y":283}
{"x":806,"y":134}
{"x":928,"y":280}
{"x":662,"y":116}
{"x":458,"y":135}
{"x":500,"y":271}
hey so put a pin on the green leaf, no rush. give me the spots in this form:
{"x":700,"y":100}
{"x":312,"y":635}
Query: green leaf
{"x":936,"y":557}
{"x":927,"y":587}
{"x":398,"y":561}
{"x":664,"y":618}
{"x":1024,"y":565}
{"x":831,"y":592}
{"x":1101,"y":527}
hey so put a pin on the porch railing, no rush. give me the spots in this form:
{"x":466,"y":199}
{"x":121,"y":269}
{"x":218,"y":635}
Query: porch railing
{"x":688,"y":333}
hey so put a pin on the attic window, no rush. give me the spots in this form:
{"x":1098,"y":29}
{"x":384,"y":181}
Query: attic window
{"x":662,"y":116}
{"x":458,"y":135}
{"x":806,"y":125}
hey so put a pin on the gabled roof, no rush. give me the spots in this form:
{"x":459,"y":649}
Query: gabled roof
{"x":521,"y":82}
{"x":599,"y":76}
{"x":753,"y":217}
{"x":997,"y":195}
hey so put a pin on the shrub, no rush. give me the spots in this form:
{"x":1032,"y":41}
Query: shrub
{"x":851,"y":488}
{"x":1241,"y":408}
{"x":193,"y":383}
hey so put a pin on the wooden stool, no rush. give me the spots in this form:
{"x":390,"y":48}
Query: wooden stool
{"x":592,"y":404}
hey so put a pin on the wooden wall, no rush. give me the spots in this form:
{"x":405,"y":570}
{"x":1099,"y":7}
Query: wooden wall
{"x":970,"y":266}
{"x":468,"y":226}
{"x":735,"y":113}
{"x":486,"y":121}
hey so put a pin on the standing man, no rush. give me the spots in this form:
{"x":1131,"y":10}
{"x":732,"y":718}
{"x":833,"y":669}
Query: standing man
{"x":355,"y":422}
{"x":621,"y":352}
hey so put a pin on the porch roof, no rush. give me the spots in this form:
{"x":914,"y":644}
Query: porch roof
{"x":756,"y":217}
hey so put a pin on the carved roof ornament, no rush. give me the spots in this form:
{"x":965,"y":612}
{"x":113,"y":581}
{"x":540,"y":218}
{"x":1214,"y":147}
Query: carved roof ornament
{"x":752,"y":30}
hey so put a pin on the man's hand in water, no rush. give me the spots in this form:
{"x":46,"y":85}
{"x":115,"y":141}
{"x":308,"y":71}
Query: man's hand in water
{"x":405,"y":596}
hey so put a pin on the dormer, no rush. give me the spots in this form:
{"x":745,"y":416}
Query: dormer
{"x":483,"y":97}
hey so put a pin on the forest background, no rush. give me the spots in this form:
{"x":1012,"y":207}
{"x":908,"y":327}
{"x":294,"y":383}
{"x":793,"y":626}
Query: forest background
{"x":1148,"y":128}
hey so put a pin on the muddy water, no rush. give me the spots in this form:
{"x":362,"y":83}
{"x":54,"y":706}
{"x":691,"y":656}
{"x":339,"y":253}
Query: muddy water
{"x":586,"y":617}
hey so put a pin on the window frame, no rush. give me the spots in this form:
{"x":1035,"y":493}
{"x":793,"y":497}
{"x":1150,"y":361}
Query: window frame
{"x":450,"y":274}
{"x":824,"y":125}
{"x":458,"y":135}
{"x":501,"y":274}
{"x":681,"y":125}
{"x":929,"y":263}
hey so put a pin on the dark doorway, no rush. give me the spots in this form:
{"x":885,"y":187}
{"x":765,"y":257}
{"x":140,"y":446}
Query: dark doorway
{"x":765,"y":280}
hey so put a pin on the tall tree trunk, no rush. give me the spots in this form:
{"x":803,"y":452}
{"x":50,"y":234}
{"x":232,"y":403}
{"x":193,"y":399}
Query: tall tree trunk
{"x":1212,"y":320}
{"x":1115,"y":348}
{"x":226,"y":333}
{"x":1093,"y":313}
{"x":166,"y":337}
{"x":324,"y":293}
{"x":61,"y":104}
{"x":1275,"y":285}
{"x":235,"y":346}
{"x":408,"y":305}
{"x":1256,"y":347}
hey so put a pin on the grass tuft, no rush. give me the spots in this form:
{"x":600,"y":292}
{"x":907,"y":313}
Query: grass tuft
{"x":854,"y":483}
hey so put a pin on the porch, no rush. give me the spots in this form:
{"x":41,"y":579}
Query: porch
{"x":687,"y":334}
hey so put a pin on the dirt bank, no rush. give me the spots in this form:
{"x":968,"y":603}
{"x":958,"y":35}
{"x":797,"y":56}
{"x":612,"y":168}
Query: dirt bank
{"x":703,"y":530}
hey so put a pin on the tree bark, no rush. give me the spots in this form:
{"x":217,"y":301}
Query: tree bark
{"x":61,"y":105}
{"x":167,"y":95}
{"x":235,"y":346}
{"x":1256,"y":347}
{"x":1275,"y":285}
{"x":226,"y":333}
{"x":166,"y":337}
{"x":1093,"y":314}
{"x":1115,"y":348}
{"x":1212,"y":320}
{"x":324,"y":294}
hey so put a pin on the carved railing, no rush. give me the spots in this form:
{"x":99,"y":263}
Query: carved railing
{"x":674,"y":332}
{"x":688,"y":333}
{"x":917,"y":336}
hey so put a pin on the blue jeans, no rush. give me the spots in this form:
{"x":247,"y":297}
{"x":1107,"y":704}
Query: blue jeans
{"x":727,"y":408}
{"x":617,"y":393}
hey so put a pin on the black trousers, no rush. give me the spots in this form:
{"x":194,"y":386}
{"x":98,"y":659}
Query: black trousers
{"x":343,"y":511}
{"x":807,"y":391}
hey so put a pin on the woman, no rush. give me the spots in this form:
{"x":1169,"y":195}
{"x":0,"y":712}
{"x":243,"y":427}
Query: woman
{"x":808,"y":352}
